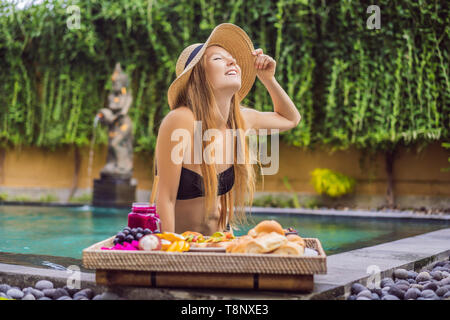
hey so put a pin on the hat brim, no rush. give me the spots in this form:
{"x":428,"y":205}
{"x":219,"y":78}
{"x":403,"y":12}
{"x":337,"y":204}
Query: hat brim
{"x":238,"y":44}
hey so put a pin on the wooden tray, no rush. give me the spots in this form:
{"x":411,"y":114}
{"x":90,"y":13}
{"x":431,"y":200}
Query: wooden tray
{"x":205,"y":270}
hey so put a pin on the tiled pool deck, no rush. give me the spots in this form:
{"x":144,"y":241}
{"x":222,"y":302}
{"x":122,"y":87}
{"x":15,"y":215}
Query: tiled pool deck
{"x":343,"y":269}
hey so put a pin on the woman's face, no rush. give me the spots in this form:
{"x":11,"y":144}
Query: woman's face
{"x":218,"y":62}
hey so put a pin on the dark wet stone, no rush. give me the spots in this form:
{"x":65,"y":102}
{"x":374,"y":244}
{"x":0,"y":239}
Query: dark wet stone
{"x":386,"y":282}
{"x":390,"y":297}
{"x":45,"y":298}
{"x":395,"y":291}
{"x":445,"y":281}
{"x":36,"y":293}
{"x":15,"y":293}
{"x":442,"y":291}
{"x":64,"y":298}
{"x":59,"y":292}
{"x":363,"y":298}
{"x":401,"y":274}
{"x":364,"y":293}
{"x":49,"y":292}
{"x":44,"y":284}
{"x":412,"y":274}
{"x":423,"y":276}
{"x":402,"y":286}
{"x":375,"y":296}
{"x":428,"y":294}
{"x":431,"y":286}
{"x":411,"y":281}
{"x":447,"y":295}
{"x":402,"y":282}
{"x":439,"y":264}
{"x":412,"y":293}
{"x":437,"y":275}
{"x":357,"y":288}
{"x":29,"y":296}
{"x":99,"y":297}
{"x":351,"y":297}
{"x":4,"y":287}
{"x":378,"y":291}
{"x":71,"y":291}
{"x":88,"y":293}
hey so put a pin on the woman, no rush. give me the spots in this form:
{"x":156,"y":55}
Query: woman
{"x":212,"y":80}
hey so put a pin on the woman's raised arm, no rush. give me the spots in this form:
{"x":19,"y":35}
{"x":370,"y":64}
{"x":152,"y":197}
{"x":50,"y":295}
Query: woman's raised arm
{"x":285,"y":115}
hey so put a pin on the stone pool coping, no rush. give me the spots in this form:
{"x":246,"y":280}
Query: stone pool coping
{"x":399,"y":214}
{"x":350,"y":213}
{"x":344,"y":269}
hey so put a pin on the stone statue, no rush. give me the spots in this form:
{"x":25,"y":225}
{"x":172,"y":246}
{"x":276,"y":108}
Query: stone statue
{"x":119,"y":162}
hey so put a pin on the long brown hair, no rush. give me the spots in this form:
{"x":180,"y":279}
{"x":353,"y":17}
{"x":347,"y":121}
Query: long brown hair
{"x":199,"y":98}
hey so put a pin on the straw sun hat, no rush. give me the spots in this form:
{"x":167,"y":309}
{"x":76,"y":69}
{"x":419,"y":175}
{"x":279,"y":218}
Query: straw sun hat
{"x":231,"y":38}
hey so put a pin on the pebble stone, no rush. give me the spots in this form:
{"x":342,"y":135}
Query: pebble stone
{"x":390,"y":297}
{"x":428,"y":294}
{"x":412,"y":293}
{"x":4,"y":287}
{"x":401,"y":274}
{"x":364,"y":293}
{"x":357,"y":288}
{"x":44,"y":284}
{"x":395,"y":291}
{"x":442,"y":291}
{"x":386,"y":282}
{"x":429,"y":284}
{"x":4,"y":295}
{"x":29,"y":296}
{"x":423,"y":276}
{"x":15,"y":293}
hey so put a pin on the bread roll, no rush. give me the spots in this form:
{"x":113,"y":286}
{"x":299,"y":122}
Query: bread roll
{"x":290,"y":248}
{"x":238,"y":244}
{"x":266,"y":227}
{"x":266,"y":243}
{"x":296,"y":239}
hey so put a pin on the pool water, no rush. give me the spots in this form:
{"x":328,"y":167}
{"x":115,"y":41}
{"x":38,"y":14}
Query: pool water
{"x":66,"y":231}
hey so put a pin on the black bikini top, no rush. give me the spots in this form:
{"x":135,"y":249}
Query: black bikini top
{"x":191,"y":183}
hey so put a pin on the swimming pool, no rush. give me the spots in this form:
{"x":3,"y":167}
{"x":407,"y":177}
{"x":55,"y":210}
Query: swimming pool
{"x":66,"y":231}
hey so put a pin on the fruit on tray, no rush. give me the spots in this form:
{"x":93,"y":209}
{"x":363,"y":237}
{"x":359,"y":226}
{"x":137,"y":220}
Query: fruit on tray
{"x":192,"y":236}
{"x":150,"y":242}
{"x":170,"y":236}
{"x":179,"y":246}
{"x":130,"y":234}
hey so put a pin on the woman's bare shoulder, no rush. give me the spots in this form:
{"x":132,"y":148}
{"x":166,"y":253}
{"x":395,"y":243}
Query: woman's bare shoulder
{"x":181,"y":117}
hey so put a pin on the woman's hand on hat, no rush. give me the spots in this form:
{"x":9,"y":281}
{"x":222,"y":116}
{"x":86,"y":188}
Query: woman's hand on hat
{"x":264,"y":64}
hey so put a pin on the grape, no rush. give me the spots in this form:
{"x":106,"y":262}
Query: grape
{"x":126,"y":232}
{"x":127,"y":228}
{"x":147,"y":231}
{"x":139,"y":230}
{"x":129,"y":238}
{"x":121,"y":236}
{"x":139,"y":236}
{"x":133,"y":231}
{"x":116,"y":241}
